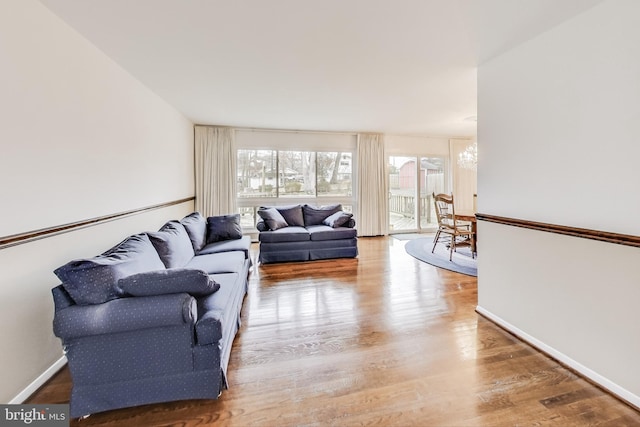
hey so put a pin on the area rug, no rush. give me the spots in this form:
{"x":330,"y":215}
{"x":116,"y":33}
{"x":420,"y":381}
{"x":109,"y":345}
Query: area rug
{"x":461,"y":261}
{"x":407,"y":236}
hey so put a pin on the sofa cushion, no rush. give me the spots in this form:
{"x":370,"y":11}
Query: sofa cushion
{"x":94,"y":280}
{"x":272,"y":218}
{"x":173,"y":244}
{"x":324,"y":232}
{"x":221,"y":262}
{"x":287,"y":234}
{"x":170,"y":281}
{"x":217,"y":313}
{"x":306,"y":246}
{"x":196,"y":226}
{"x":223,"y":227}
{"x":243,"y":244}
{"x":314,"y":215}
{"x":337,"y":219}
{"x":292,"y":214}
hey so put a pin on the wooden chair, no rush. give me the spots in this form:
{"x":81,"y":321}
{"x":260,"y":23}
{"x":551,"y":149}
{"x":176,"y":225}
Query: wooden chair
{"x":454,"y":232}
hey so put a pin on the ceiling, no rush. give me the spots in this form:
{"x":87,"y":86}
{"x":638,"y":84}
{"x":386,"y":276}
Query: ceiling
{"x":404,"y":67}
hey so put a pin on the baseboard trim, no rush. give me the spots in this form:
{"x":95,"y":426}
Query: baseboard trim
{"x":597,"y":379}
{"x":39,"y":382}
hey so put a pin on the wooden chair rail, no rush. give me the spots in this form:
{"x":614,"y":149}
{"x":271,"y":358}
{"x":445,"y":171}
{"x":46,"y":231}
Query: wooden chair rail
{"x":30,"y":236}
{"x":585,"y":233}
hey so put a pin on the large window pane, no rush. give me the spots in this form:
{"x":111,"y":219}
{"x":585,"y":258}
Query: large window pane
{"x":296,"y":174}
{"x":272,"y":178}
{"x":257,"y":173}
{"x":334,"y":174}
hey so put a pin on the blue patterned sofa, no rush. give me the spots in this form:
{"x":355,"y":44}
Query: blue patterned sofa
{"x":306,"y":233}
{"x":153,"y":319}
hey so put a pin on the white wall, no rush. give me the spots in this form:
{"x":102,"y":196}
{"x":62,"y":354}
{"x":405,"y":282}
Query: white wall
{"x":556,"y":114}
{"x":398,"y":145}
{"x":80,"y":138}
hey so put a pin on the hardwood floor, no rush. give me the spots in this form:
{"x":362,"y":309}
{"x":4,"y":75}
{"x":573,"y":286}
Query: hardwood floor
{"x":380,"y":340}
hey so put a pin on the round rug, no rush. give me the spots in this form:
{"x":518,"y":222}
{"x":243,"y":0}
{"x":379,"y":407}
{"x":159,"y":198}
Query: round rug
{"x":461,"y":262}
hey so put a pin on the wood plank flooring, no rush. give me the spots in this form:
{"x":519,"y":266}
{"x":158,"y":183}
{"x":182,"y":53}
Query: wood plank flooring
{"x":382,"y":340}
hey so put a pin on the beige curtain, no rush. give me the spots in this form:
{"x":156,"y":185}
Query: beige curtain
{"x":215,"y":167}
{"x":373,"y":187}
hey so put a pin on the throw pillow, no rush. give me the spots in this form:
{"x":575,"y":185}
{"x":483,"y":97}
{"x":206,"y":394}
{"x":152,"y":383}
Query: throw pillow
{"x":170,"y":281}
{"x":314,"y":215}
{"x":173,"y":244}
{"x":292,"y":214}
{"x":273,"y":218}
{"x":196,"y":227}
{"x":337,"y":219}
{"x":223,"y":227}
{"x":94,"y":280}
{"x":261,"y":225}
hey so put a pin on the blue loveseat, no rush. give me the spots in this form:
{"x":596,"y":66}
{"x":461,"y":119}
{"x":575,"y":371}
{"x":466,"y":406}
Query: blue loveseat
{"x":306,"y":233}
{"x":153,"y":319}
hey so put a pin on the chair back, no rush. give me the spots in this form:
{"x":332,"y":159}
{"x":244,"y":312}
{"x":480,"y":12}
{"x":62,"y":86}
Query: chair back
{"x":445,"y":210}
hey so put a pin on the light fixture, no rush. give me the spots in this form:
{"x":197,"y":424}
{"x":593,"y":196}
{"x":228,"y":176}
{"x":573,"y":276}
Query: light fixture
{"x":468,"y":159}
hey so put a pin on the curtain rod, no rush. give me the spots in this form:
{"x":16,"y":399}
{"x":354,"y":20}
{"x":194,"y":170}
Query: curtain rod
{"x":286,"y":130}
{"x":350,"y":133}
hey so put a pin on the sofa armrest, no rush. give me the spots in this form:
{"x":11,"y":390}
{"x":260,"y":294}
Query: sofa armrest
{"x":125,"y":314}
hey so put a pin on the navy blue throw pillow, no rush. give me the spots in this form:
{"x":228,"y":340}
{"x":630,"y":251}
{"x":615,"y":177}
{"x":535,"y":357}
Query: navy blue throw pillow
{"x":196,"y":226}
{"x":223,"y":227}
{"x":169,"y":281}
{"x":292,"y":214}
{"x":273,"y":218}
{"x":337,"y":219}
{"x":314,"y":215}
{"x":173,"y":244}
{"x":94,"y":280}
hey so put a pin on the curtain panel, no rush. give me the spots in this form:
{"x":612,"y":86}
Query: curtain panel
{"x":215,"y":168}
{"x":373,"y":187}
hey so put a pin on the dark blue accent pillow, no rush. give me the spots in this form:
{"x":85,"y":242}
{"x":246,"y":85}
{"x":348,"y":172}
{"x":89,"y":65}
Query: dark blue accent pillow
{"x":314,"y":215}
{"x":170,"y":281}
{"x":223,"y":227}
{"x":94,"y":280}
{"x":273,"y":218}
{"x":261,"y":225}
{"x":173,"y":244}
{"x":292,"y":214}
{"x":337,"y":219}
{"x":196,"y":227}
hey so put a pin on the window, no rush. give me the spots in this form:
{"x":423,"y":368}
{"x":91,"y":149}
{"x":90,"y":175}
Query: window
{"x":292,"y":174}
{"x":256,"y":173}
{"x":297,"y":172}
{"x":334,"y":174}
{"x":280,"y":177}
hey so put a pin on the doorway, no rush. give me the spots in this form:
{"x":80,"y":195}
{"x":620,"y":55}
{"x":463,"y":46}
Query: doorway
{"x":412,"y":181}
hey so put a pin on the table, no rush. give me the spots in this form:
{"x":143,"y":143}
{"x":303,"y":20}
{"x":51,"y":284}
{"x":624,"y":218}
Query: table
{"x":471,"y":217}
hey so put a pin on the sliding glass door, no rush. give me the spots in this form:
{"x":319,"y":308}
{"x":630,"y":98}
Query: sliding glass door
{"x":402,"y":193}
{"x":412,"y":181}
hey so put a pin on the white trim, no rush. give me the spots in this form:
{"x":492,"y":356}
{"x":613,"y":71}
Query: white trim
{"x":295,"y":140}
{"x":318,"y":132}
{"x":39,"y":382}
{"x":598,"y":379}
